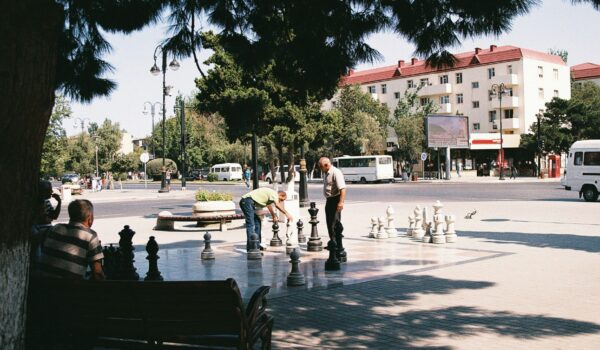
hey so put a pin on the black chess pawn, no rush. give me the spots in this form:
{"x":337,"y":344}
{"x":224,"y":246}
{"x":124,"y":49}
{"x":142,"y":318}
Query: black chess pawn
{"x":109,"y":263}
{"x":254,"y":252}
{"x":314,"y":242}
{"x":295,"y":278}
{"x":207,"y":253}
{"x":126,"y":268}
{"x":301,"y":236}
{"x":332,"y":264}
{"x":338,"y":228}
{"x":152,"y":249}
{"x":275,"y":241}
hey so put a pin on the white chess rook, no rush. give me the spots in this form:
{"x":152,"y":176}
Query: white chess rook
{"x":438,"y":235}
{"x":451,"y":236}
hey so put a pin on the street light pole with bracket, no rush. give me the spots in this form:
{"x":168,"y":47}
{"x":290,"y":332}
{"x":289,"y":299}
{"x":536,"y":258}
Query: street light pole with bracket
{"x":498,"y":90}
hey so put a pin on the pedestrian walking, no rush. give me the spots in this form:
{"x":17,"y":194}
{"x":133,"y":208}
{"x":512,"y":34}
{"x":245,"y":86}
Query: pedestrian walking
{"x":334,"y":190}
{"x":458,"y":168}
{"x":247,"y":175}
{"x":168,"y":179}
{"x":513,"y":172}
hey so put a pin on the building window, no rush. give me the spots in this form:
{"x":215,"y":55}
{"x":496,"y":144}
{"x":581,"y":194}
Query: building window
{"x":424,"y":101}
{"x":509,"y":114}
{"x":508,"y":91}
{"x":492,"y":116}
{"x":383,"y":89}
{"x":459,"y":78}
{"x":540,"y":71}
{"x":444,"y":99}
{"x":424,"y":82}
{"x":491,"y":73}
{"x":372,"y":89}
{"x":475,"y":85}
{"x":443,"y":79}
{"x":475,"y":104}
{"x":555,"y":73}
{"x":555,"y":93}
{"x":410,"y":84}
{"x":476,"y":126}
{"x":459,"y":98}
{"x":396,"y":95}
{"x":541,"y":92}
{"x":509,"y":69}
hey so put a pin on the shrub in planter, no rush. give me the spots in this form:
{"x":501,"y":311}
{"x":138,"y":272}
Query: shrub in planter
{"x":153,"y":168}
{"x":212,"y":177}
{"x":213,"y":203}
{"x":208,"y":196}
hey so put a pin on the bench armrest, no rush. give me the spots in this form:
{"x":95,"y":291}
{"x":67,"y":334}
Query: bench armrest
{"x":257,"y":305}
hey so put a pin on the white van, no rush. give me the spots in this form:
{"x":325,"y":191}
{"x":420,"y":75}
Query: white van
{"x":227,"y":171}
{"x":583,"y":169}
{"x":269,"y":177}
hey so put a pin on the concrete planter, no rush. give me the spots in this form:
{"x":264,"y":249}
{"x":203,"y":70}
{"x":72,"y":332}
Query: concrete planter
{"x":212,"y":208}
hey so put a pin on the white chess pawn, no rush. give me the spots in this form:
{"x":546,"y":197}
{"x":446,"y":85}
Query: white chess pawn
{"x":373,"y":227}
{"x":451,"y":236}
{"x":411,"y":225}
{"x":391,"y":227}
{"x":427,"y":237}
{"x":438,"y":235}
{"x":381,"y":233}
{"x":418,"y":232}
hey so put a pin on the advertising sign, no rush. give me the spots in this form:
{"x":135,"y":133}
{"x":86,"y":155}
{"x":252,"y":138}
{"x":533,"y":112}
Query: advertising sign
{"x":448,"y":131}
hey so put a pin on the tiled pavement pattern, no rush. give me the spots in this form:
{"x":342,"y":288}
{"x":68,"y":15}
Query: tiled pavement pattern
{"x":523,"y":275}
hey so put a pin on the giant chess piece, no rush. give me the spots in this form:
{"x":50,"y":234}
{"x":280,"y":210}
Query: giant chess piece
{"x":411,"y":225}
{"x":300,"y":228}
{"x":288,"y":239}
{"x":425,"y":218}
{"x":152,"y":249}
{"x":437,"y":207}
{"x":381,"y":234}
{"x":391,"y":227}
{"x":427,"y":237}
{"x":207,"y":253}
{"x":418,"y":231}
{"x":275,"y":241}
{"x":314,"y":242}
{"x":126,"y":269}
{"x":109,"y":262}
{"x":438,"y":236}
{"x":451,"y":236}
{"x":340,"y":253}
{"x":295,"y":278}
{"x":332,"y":264}
{"x":254,"y":252}
{"x":373,"y":232}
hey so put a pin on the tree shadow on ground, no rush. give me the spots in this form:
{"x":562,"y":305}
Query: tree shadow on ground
{"x":373,"y":315}
{"x":590,"y":244}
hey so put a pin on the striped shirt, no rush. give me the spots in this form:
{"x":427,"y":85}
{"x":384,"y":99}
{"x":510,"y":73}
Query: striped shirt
{"x":68,"y":250}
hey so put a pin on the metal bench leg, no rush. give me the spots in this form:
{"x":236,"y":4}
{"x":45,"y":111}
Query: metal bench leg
{"x":223,"y":225}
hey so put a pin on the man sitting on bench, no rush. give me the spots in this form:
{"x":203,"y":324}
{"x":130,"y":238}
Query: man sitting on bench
{"x":256,"y":200}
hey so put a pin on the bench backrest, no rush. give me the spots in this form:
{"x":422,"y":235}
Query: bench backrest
{"x":139,"y":310}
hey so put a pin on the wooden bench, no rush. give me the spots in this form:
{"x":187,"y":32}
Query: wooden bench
{"x":166,"y":222}
{"x":79,"y":314}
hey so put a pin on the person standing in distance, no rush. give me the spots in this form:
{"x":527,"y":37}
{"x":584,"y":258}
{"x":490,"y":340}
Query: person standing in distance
{"x":256,"y":200}
{"x":334,"y":189}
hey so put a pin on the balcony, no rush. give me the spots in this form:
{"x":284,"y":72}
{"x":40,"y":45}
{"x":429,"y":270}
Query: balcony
{"x":507,"y":102}
{"x":444,"y":108}
{"x":510,"y":123}
{"x":433,"y":90}
{"x":507,"y":79}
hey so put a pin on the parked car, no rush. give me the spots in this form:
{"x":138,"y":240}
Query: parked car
{"x":197,"y":174}
{"x":227,"y":171}
{"x":72,"y":178}
{"x":269,"y":177}
{"x":583,"y":170}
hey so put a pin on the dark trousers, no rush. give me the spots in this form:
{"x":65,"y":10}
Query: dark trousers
{"x":332,"y":215}
{"x":253,"y":222}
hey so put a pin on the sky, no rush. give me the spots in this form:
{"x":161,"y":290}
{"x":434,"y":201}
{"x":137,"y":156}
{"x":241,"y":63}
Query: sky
{"x":554,"y":24}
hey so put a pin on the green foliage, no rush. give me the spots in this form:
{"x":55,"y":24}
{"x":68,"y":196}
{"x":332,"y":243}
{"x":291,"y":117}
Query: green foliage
{"x":154,"y":167}
{"x":54,"y":152}
{"x":80,"y":155}
{"x":212,"y":177}
{"x":564,"y":54}
{"x":208,"y":196}
{"x":124,"y":163}
{"x":409,"y":122}
{"x":107,"y":137}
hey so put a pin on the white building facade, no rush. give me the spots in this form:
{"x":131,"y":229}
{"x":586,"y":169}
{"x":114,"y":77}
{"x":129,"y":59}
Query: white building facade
{"x":531,"y":79}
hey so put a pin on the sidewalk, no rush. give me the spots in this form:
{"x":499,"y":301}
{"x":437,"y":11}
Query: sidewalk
{"x":521,"y":276}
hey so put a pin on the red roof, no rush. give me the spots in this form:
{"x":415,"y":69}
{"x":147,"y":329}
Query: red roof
{"x":466,"y":59}
{"x":585,"y":71}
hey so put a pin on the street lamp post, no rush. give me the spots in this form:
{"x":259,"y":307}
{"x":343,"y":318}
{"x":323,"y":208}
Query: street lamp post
{"x":181,"y":109}
{"x":498,"y":90}
{"x":81,"y":122}
{"x":538,"y":145}
{"x":153,"y":109}
{"x":174,"y":65}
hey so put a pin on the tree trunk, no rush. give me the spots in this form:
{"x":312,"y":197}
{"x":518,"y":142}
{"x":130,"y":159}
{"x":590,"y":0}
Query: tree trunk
{"x":29,"y":43}
{"x":290,"y":155}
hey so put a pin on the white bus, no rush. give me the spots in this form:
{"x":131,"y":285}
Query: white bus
{"x":227,"y":171}
{"x":583,"y":169}
{"x":365,"y":169}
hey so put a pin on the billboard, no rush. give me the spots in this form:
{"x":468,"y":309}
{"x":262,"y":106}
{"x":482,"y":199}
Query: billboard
{"x":448,"y":131}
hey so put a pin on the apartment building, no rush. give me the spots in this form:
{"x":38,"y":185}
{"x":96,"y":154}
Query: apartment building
{"x":586,"y":72}
{"x":530,"y":78}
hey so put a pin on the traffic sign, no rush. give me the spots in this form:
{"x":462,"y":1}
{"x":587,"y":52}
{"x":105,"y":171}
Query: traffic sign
{"x":144,"y":157}
{"x":423,"y":156}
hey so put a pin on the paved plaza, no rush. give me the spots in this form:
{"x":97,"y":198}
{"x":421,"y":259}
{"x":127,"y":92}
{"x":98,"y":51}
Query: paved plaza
{"x":523,"y":275}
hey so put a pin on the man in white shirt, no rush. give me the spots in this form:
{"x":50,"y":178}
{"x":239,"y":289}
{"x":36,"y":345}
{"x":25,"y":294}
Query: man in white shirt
{"x":334,"y":190}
